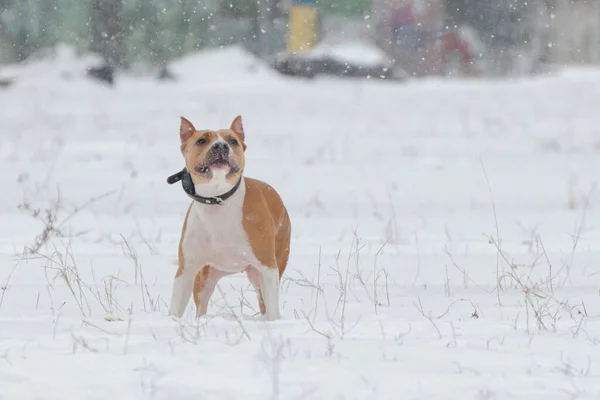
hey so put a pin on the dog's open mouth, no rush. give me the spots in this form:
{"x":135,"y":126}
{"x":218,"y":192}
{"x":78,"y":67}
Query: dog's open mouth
{"x":219,"y":164}
{"x":214,"y":164}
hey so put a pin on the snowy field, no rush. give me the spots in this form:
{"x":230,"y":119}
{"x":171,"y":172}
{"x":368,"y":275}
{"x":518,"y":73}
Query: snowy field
{"x":445,"y":241}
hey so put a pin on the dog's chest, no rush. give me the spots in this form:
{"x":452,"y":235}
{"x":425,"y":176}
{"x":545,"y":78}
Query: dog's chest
{"x":215,"y":236}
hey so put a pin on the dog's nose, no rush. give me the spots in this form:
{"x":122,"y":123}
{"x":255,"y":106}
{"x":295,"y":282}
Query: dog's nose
{"x":221,"y":147}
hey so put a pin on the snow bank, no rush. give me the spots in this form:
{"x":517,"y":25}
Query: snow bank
{"x":232,"y":62}
{"x":62,"y":62}
{"x":357,"y":52}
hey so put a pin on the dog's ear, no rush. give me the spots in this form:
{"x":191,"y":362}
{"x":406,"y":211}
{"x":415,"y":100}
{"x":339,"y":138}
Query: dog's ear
{"x":238,"y":127}
{"x":186,"y":129}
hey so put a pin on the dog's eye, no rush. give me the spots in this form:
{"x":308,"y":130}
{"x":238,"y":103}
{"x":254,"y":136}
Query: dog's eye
{"x":200,"y":142}
{"x":233,"y":142}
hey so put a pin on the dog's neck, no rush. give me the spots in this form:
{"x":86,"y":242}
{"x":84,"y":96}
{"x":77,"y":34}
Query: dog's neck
{"x":217,"y":186}
{"x":234,"y":202}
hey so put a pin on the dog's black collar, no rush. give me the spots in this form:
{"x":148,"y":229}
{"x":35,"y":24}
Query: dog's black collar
{"x":188,"y":187}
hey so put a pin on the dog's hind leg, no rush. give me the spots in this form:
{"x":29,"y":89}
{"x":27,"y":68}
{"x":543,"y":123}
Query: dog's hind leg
{"x":254,"y":278}
{"x":269,"y":288}
{"x":204,"y":286}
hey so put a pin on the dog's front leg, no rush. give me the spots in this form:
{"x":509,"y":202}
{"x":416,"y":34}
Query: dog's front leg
{"x":182,"y":289}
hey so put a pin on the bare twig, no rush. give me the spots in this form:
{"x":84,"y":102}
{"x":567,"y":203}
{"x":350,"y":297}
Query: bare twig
{"x":7,"y":283}
{"x":237,"y":318}
{"x":428,"y":317}
{"x":318,"y":286}
{"x":418,"y":259}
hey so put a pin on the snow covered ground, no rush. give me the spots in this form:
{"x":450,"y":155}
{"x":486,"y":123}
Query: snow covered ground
{"x":409,"y":203}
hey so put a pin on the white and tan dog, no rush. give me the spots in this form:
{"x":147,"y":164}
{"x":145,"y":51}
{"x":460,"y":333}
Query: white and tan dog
{"x":234,"y":224}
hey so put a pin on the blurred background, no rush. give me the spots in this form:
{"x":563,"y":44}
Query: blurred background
{"x":379,"y":38}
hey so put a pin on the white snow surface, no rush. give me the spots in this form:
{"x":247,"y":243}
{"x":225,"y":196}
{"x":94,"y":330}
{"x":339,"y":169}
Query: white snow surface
{"x":397,"y":193}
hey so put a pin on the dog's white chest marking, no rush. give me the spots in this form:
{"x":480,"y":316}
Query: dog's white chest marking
{"x":215,"y":236}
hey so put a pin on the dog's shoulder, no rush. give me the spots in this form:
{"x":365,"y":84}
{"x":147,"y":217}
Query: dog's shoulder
{"x":262,"y":197}
{"x":260,"y":190}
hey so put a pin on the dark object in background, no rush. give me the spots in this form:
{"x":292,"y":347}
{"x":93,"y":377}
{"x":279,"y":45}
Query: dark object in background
{"x":107,"y":31}
{"x":309,"y":67}
{"x":5,"y":83}
{"x":165,"y":74}
{"x":104,"y":73}
{"x":296,"y":66}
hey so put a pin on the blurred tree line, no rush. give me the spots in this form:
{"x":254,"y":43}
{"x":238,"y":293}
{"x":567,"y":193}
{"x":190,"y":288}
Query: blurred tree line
{"x":123,"y":31}
{"x":152,"y":31}
{"x":127,"y":32}
{"x":552,"y":31}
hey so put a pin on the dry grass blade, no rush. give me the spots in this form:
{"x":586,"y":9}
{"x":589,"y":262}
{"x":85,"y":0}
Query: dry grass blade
{"x":237,"y":318}
{"x":6,"y":285}
{"x":148,"y":301}
{"x":487,"y":181}
{"x":50,"y":220}
{"x":428,"y":317}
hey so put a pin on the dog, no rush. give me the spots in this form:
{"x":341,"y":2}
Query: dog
{"x":234,"y":224}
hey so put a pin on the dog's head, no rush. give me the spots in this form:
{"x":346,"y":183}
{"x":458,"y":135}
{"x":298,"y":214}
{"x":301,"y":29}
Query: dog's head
{"x":215,"y":159}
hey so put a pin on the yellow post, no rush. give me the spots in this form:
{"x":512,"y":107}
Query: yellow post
{"x":302,"y":26}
